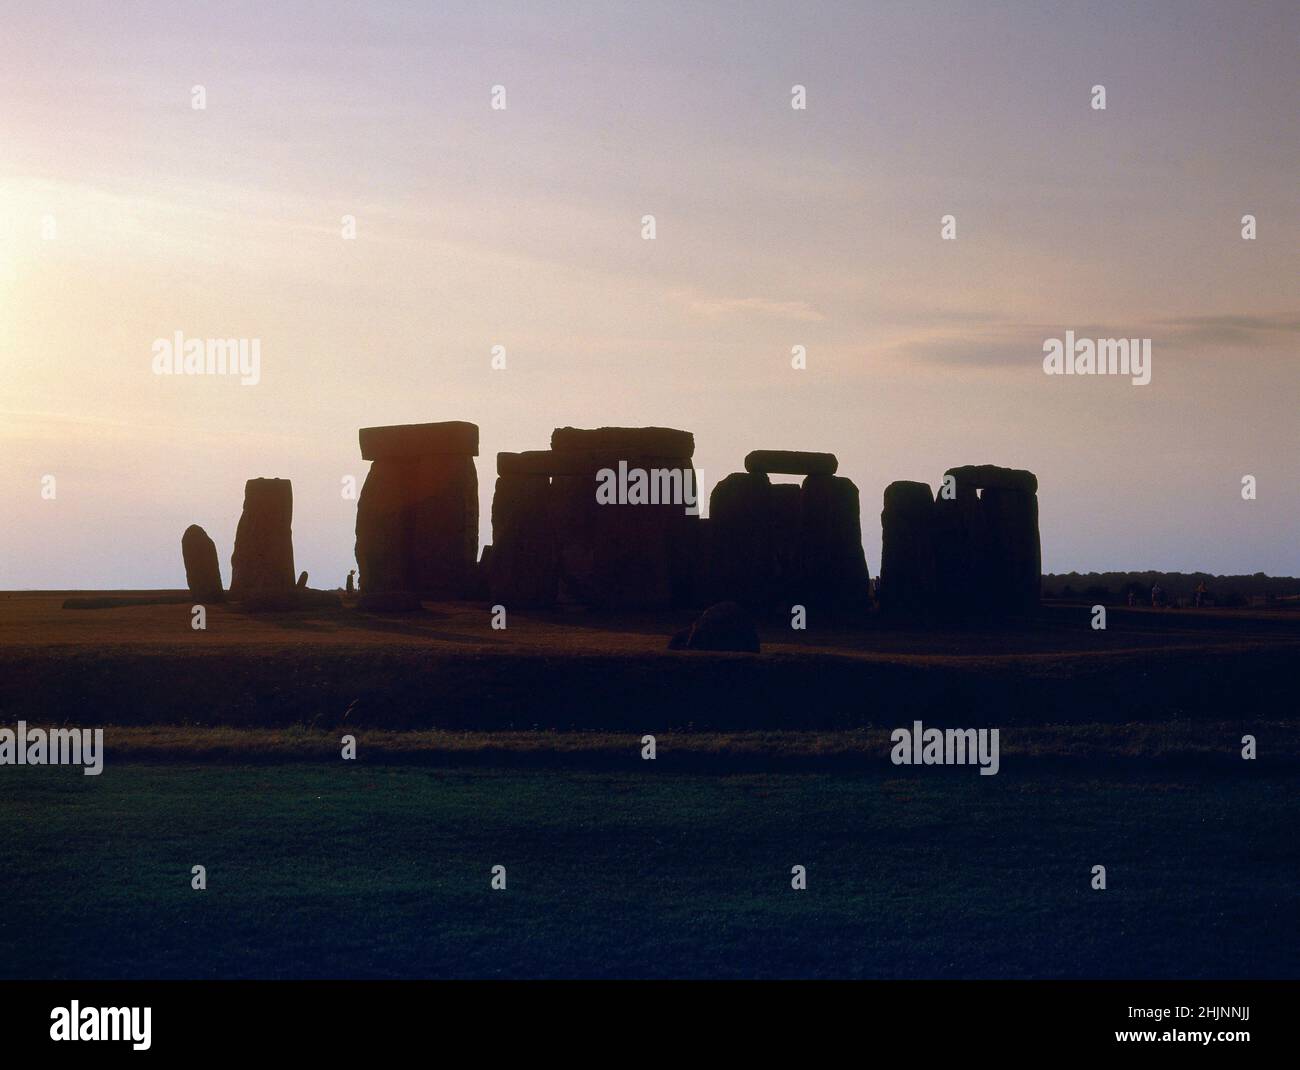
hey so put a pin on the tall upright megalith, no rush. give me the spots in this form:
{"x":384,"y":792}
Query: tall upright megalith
{"x":262,"y":560}
{"x":907,"y":565}
{"x":417,"y":516}
{"x":834,"y":565}
{"x":522,"y":568}
{"x":624,"y":515}
{"x":202,"y":571}
{"x":961,"y":557}
{"x":744,"y":546}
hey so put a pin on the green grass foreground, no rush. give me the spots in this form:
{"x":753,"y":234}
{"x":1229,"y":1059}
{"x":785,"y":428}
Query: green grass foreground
{"x":384,"y":870}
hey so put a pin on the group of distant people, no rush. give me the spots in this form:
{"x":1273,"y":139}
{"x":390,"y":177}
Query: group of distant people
{"x":1158,"y":596}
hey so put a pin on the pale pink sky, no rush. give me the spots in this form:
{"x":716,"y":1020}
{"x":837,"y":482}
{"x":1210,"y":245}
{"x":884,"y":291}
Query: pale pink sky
{"x":522,"y":228}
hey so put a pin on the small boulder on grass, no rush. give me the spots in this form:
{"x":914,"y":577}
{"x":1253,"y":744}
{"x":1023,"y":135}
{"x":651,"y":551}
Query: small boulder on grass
{"x":725,"y":626}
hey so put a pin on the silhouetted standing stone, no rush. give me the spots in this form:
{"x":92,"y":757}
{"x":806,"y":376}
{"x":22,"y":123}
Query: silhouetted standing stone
{"x":834,"y":569}
{"x":1015,"y":557}
{"x":633,"y":551}
{"x":573,"y":521}
{"x":743,"y":564}
{"x":202,"y":571}
{"x":960,"y":552}
{"x":417,"y":526}
{"x":417,"y":517}
{"x":633,"y":554}
{"x":639,"y":544}
{"x":302,"y":581}
{"x":907,"y":564}
{"x":263,"y":558}
{"x":724,"y":626}
{"x":522,"y":566}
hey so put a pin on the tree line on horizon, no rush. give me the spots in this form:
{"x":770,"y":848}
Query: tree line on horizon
{"x":1220,"y":590}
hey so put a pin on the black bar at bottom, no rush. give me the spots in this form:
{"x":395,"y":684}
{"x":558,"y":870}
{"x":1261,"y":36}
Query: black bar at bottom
{"x":336,"y":1018}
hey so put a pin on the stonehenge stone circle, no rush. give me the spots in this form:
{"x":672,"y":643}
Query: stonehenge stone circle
{"x":609,"y":517}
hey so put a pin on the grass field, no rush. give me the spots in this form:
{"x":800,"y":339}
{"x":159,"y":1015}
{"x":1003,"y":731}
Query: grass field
{"x":520,"y":748}
{"x":383,"y":870}
{"x":446,"y":667}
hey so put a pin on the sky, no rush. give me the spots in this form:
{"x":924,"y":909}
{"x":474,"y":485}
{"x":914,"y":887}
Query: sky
{"x":127,"y":214}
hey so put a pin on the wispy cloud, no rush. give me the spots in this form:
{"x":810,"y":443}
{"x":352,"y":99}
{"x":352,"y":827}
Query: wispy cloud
{"x":1237,"y":332}
{"x":756,"y":306}
{"x":1010,"y":344}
